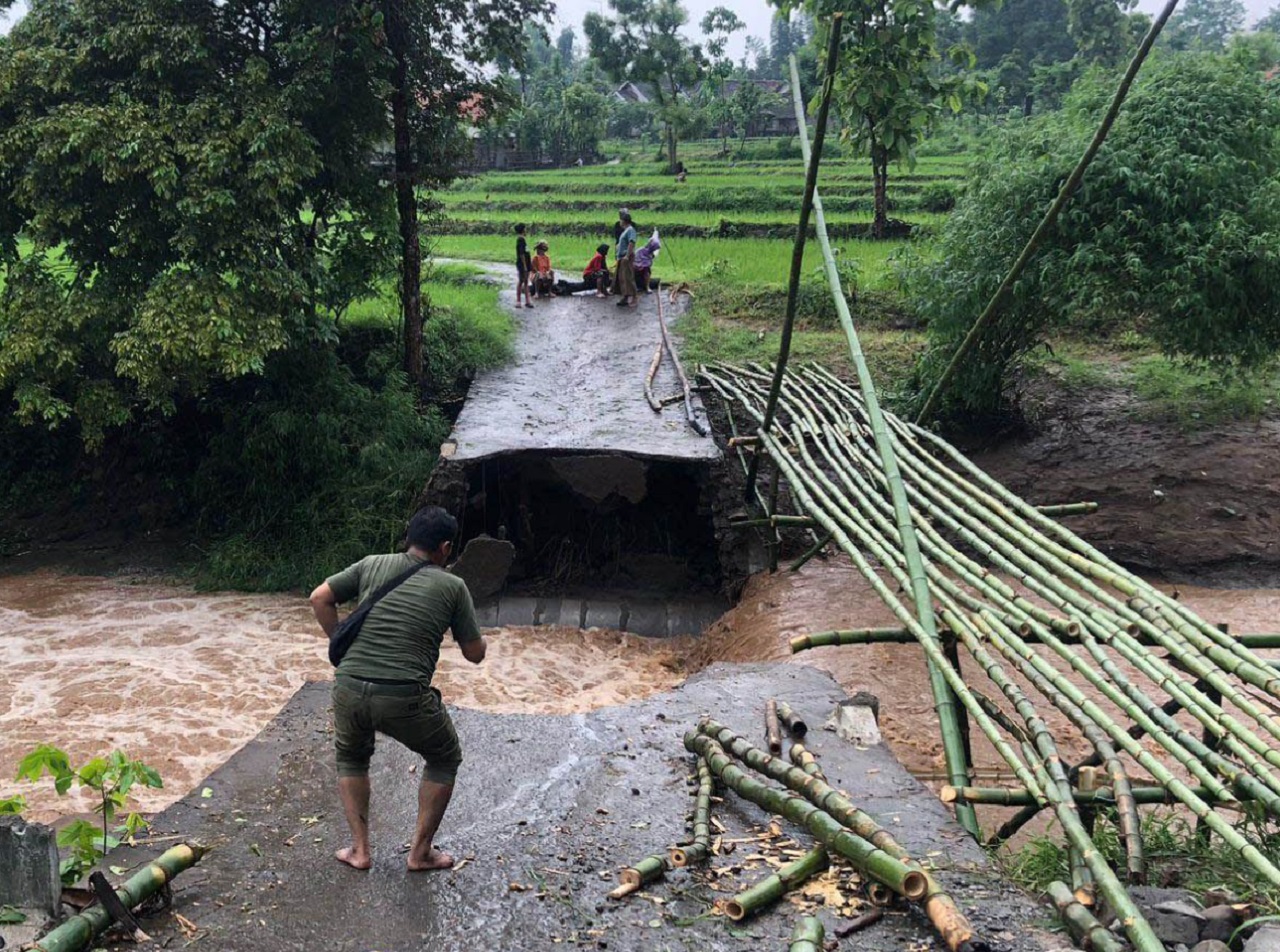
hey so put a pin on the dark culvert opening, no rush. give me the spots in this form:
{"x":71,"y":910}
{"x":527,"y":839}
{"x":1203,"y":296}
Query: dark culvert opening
{"x":596,"y":540}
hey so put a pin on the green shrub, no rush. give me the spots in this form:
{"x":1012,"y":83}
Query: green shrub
{"x":1176,"y":224}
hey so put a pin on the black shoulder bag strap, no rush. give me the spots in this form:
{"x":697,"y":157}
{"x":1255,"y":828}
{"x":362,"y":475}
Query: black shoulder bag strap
{"x":344,"y":635}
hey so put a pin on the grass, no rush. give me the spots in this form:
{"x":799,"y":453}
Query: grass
{"x":504,"y":220}
{"x":1175,"y":857}
{"x":1195,"y":396}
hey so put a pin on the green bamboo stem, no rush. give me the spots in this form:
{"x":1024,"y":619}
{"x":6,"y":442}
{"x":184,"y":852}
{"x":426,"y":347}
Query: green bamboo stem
{"x":823,"y":541}
{"x":943,"y":697}
{"x":813,"y":160}
{"x":773,"y":887}
{"x":1050,"y":218}
{"x":859,"y":636}
{"x":1100,"y":797}
{"x":866,"y":858}
{"x":1069,"y":509}
{"x":792,"y":721}
{"x":808,"y":935}
{"x":1080,"y":922}
{"x":634,"y":878}
{"x":81,"y":929}
{"x":699,"y":850}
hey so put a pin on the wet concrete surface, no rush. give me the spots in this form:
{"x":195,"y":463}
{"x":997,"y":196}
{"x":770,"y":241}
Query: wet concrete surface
{"x":576,"y":383}
{"x":547,"y":809}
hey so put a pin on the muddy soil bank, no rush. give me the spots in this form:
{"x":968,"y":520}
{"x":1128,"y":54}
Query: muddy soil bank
{"x":547,"y":809}
{"x":1200,"y":505}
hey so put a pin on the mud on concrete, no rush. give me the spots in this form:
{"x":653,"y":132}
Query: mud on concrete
{"x":546,"y":812}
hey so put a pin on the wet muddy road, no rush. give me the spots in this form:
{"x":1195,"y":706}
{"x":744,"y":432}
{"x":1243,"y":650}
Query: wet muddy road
{"x":183,"y":679}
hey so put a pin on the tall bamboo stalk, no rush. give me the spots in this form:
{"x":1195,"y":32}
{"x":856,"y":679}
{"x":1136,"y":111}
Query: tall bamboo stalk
{"x":943,"y":697}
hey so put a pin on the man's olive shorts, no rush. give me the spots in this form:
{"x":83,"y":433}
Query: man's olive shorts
{"x":408,"y":713}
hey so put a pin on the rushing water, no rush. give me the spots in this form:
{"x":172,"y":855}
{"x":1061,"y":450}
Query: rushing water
{"x":183,"y":680}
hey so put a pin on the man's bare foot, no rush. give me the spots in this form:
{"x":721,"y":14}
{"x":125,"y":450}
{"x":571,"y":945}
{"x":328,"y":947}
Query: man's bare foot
{"x":352,"y":858}
{"x":436,"y":859}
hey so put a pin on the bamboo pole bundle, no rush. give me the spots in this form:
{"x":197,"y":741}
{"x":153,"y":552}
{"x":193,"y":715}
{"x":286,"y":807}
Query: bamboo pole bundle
{"x":806,"y":778}
{"x":81,"y":929}
{"x":1069,"y":509}
{"x":700,"y":849}
{"x":867,"y":858}
{"x":773,"y":887}
{"x":1080,"y":922}
{"x":808,"y":935}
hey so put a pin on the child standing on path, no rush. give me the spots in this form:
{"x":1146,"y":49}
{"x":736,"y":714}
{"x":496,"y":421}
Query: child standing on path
{"x":524,"y":265}
{"x":626,"y":276}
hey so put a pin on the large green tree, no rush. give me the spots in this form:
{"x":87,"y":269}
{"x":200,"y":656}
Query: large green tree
{"x":184,"y":189}
{"x":1271,"y":22}
{"x":1175,"y":230}
{"x":644,"y":43}
{"x":1205,"y":25}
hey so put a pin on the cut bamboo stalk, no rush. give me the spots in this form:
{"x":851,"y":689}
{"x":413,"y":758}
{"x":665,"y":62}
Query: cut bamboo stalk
{"x":690,"y":415}
{"x":1101,"y":797}
{"x":1069,"y":509}
{"x":795,"y":726}
{"x":633,"y":878}
{"x":816,"y":549}
{"x":1080,"y":922}
{"x":808,"y":935}
{"x":860,"y":636}
{"x":773,"y":887}
{"x":654,"y":402}
{"x":700,"y":849}
{"x":81,"y":929}
{"x":772,"y":729}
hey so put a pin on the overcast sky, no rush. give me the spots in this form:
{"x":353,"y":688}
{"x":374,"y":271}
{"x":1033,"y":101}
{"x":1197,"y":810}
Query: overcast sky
{"x":755,"y":13}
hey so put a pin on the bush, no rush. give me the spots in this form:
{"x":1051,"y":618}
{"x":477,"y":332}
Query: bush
{"x":1177,"y":222}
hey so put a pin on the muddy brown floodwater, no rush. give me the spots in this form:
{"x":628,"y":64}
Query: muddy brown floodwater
{"x":182,"y":679}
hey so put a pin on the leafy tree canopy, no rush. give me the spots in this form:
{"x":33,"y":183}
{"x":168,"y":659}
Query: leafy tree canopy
{"x":1205,"y":25}
{"x":1176,"y":227}
{"x":1271,"y":22}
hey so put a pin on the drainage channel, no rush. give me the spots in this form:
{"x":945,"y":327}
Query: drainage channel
{"x":657,"y":618}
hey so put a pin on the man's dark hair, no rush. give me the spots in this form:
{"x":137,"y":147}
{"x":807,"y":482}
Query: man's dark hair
{"x":602,"y":249}
{"x":431,"y":527}
{"x":519,"y":229}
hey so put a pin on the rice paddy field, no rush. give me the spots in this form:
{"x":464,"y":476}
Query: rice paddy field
{"x":729,"y":225}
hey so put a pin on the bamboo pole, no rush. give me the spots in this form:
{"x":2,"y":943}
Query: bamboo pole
{"x":1050,"y":216}
{"x":802,"y":234}
{"x":634,"y":878}
{"x":808,"y":935}
{"x":1080,"y":922}
{"x":900,"y":636}
{"x":773,"y":887}
{"x":654,"y":402}
{"x":792,"y":721}
{"x":699,"y":850}
{"x":81,"y":929}
{"x":1069,"y":509}
{"x":866,"y":858}
{"x":690,"y":415}
{"x":772,"y":728}
{"x":816,"y":549}
{"x":945,"y":703}
{"x":1100,"y":797}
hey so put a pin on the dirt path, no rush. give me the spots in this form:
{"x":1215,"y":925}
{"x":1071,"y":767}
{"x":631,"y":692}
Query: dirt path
{"x":576,"y":384}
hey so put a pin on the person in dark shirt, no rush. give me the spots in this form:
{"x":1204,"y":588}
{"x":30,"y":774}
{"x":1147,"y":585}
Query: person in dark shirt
{"x":524,"y":265}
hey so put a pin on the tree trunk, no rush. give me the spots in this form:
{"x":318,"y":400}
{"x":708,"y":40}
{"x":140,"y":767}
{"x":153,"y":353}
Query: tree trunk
{"x":880,"y":175}
{"x":406,"y":205}
{"x":671,"y":147}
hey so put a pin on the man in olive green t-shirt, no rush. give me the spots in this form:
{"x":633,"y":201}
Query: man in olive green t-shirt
{"x":383,"y":684}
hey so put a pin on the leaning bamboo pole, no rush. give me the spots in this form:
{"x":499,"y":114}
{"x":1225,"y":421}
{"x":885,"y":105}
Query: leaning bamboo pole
{"x":81,"y":929}
{"x":699,"y":850}
{"x":867,"y":858}
{"x":690,"y":415}
{"x":945,"y":703}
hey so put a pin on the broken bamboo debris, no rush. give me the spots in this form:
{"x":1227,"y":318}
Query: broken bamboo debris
{"x":700,"y":849}
{"x":857,"y":924}
{"x":1068,"y":509}
{"x":1080,"y":922}
{"x":868,"y":859}
{"x":772,"y":728}
{"x":773,"y":887}
{"x":633,"y":878}
{"x":81,"y":929}
{"x":807,"y":779}
{"x":808,"y":935}
{"x":792,"y":721}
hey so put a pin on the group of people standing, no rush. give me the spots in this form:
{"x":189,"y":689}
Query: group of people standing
{"x":631,"y":276}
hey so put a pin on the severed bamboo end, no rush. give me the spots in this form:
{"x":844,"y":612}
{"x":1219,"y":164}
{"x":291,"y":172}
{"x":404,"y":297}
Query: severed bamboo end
{"x":914,"y":885}
{"x":880,"y":894}
{"x":733,"y":909}
{"x":948,"y":794}
{"x":626,"y":889}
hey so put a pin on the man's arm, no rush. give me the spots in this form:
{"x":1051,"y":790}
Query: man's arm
{"x":325,"y":605}
{"x":474,"y":650}
{"x":466,"y":630}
